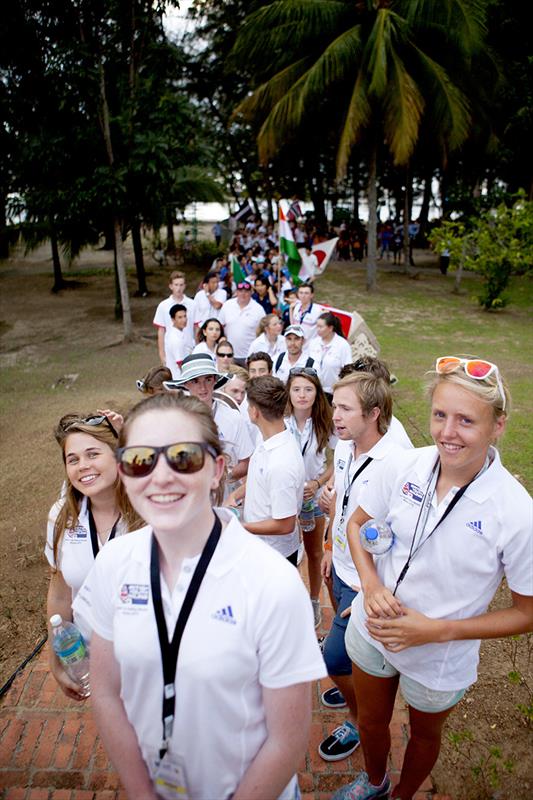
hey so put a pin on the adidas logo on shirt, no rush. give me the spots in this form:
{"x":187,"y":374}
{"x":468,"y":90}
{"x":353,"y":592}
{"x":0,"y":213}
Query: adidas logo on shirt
{"x":225,"y":615}
{"x":475,"y":526}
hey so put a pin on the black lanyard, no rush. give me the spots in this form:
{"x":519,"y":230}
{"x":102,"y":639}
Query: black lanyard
{"x":414,"y":550}
{"x":94,"y":534}
{"x":169,"y":650}
{"x":303,"y":315}
{"x":347,"y":490}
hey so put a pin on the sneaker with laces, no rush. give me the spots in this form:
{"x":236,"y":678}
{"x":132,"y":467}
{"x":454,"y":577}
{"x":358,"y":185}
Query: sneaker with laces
{"x":340,"y":744}
{"x":333,"y":698}
{"x":317,"y":612}
{"x":362,"y":789}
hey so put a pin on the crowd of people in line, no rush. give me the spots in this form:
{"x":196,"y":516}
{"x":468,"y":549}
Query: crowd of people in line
{"x":176,"y":540}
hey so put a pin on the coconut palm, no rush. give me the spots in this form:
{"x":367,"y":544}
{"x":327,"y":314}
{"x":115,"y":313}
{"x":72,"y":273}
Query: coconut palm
{"x":378,"y":68}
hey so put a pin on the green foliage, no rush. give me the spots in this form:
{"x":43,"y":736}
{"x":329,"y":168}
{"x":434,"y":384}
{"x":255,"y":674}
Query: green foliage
{"x":486,"y":761}
{"x":497,"y":243}
{"x":519,"y":649}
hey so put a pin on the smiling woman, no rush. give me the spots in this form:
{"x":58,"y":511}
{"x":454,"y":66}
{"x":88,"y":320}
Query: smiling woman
{"x":195,"y":582}
{"x":92,"y":509}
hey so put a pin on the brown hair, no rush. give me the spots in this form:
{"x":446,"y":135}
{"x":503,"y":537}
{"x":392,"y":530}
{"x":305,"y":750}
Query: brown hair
{"x":260,"y":355}
{"x":375,"y":366}
{"x":321,"y":415}
{"x":69,"y":511}
{"x":176,"y":274}
{"x":200,"y":336}
{"x":152,"y":382}
{"x":372,"y":393}
{"x":187,"y":404}
{"x":269,"y":395}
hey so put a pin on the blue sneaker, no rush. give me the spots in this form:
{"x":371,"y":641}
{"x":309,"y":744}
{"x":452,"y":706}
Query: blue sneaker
{"x":362,"y":789}
{"x":340,"y":744}
{"x":333,"y":698}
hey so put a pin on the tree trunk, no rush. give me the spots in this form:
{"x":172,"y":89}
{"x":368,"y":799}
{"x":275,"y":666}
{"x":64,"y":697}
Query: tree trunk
{"x":423,"y":217}
{"x":355,"y":189}
{"x":371,"y":264}
{"x":142,"y":288}
{"x":459,"y":271}
{"x":59,"y":283}
{"x":171,"y":241}
{"x":407,"y":256}
{"x":316,"y":190}
{"x":122,"y":281}
{"x":4,"y":234}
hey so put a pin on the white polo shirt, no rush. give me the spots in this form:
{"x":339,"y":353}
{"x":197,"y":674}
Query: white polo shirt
{"x":307,"y":319}
{"x":177,"y":347}
{"x":275,"y":487}
{"x":399,"y":434}
{"x":251,"y":627}
{"x":345,"y":467}
{"x":330,"y":357}
{"x":314,"y":461}
{"x":162,"y":318}
{"x":264,"y":345}
{"x":202,"y":347}
{"x":202,"y":307}
{"x":75,"y":550}
{"x":456,"y":573}
{"x":240,"y":324}
{"x":285,"y":367}
{"x":233,"y":432}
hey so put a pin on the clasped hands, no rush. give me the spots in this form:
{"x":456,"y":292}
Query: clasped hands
{"x":393,"y":624}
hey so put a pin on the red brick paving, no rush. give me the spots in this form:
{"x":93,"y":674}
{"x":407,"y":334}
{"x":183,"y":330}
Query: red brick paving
{"x":49,"y":749}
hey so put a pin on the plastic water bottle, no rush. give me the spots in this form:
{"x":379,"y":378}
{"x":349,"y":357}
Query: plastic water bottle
{"x":69,"y":646}
{"x":307,"y":516}
{"x":376,"y":537}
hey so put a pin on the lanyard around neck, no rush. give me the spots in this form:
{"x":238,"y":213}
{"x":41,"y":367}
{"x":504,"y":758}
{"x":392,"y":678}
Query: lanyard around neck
{"x":348,"y":484}
{"x":298,"y":436}
{"x":170,"y":650}
{"x":423,"y":517}
{"x":94,"y":533}
{"x":303,"y":314}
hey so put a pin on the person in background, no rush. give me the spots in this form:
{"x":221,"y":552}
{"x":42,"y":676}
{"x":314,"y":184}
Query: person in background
{"x":330,"y":350}
{"x":163,"y":321}
{"x":264,"y":294}
{"x":237,"y":383}
{"x":154,"y":380}
{"x":295,"y":355}
{"x":259,"y":364}
{"x":248,"y":652}
{"x":461,"y":522}
{"x":92,"y":510}
{"x":209,"y":334}
{"x":305,"y":312}
{"x":240,"y":317}
{"x":269,"y":337}
{"x":224,"y":354}
{"x":177,"y":344}
{"x":208,"y":301}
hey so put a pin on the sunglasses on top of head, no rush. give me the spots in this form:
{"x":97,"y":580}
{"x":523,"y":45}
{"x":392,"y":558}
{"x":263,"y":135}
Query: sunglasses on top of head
{"x":93,"y":420}
{"x":304,"y":371}
{"x":476,"y":368}
{"x":138,"y":461}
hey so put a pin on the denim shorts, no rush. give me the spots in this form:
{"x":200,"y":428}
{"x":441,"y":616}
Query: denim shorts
{"x":337,"y":659}
{"x":415,"y":694}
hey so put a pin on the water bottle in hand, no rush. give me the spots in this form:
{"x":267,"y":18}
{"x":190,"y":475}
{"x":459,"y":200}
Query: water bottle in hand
{"x":307,"y":516}
{"x":69,"y":646}
{"x":376,"y":537}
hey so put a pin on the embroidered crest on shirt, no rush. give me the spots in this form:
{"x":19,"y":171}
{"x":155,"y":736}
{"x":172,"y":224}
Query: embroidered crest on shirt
{"x":225,"y":615}
{"x":412,"y":493}
{"x":77,"y":533}
{"x":135,"y":594}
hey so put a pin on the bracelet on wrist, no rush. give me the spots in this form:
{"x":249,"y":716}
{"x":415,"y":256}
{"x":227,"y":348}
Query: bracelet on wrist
{"x":327,"y":545}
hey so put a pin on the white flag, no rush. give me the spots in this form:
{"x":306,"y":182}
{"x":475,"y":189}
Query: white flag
{"x":323,"y":252}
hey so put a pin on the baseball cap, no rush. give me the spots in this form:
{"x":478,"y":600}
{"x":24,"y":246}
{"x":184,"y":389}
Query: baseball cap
{"x":297,"y":330}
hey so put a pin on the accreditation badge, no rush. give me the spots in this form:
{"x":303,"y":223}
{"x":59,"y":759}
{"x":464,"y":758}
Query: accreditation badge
{"x":340,"y":535}
{"x":169,"y":778}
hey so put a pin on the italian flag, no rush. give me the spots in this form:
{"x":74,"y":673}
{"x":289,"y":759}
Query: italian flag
{"x":287,"y":244}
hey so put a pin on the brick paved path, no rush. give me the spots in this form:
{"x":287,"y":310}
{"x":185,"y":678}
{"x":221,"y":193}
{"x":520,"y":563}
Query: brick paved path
{"x":49,"y":749}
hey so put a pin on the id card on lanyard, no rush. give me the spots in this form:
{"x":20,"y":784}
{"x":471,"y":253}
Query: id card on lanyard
{"x":340,"y":534}
{"x":169,"y":775}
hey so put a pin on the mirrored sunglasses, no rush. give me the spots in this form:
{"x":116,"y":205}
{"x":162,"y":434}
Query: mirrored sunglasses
{"x":476,"y":368}
{"x":182,"y":457}
{"x":93,"y":420}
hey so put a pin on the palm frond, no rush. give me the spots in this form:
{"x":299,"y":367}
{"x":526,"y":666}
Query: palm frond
{"x":464,"y":21}
{"x":284,"y":118}
{"x":338,"y":61}
{"x":357,"y":118}
{"x":270,"y":92}
{"x":194,"y":183}
{"x":403,"y":110}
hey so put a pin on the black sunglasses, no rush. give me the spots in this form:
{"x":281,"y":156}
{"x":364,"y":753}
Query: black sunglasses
{"x":182,"y":457}
{"x":224,"y":355}
{"x":94,"y":420}
{"x":304,"y":371}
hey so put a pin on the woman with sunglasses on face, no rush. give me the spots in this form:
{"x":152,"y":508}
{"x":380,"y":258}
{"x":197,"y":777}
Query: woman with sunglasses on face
{"x":461,"y":523}
{"x":196,"y":581}
{"x":93,"y":508}
{"x":209,"y":335}
{"x":309,"y":420}
{"x":225,"y":355}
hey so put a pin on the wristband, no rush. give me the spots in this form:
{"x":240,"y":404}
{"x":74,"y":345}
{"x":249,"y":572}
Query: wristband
{"x":327,"y":545}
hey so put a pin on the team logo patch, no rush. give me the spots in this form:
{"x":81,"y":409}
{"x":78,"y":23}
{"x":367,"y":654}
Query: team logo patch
{"x":225,"y":615}
{"x":135,"y":594}
{"x":76,"y":534}
{"x":341,"y":463}
{"x":413,"y":492}
{"x":475,"y":526}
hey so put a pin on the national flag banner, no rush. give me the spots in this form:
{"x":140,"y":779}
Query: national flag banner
{"x":238,"y":274}
{"x":323,"y":251}
{"x":287,"y":245}
{"x":244,"y":212}
{"x":345,"y":317}
{"x":294,"y":211}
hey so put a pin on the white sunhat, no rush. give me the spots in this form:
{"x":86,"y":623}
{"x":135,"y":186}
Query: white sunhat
{"x":197,"y":365}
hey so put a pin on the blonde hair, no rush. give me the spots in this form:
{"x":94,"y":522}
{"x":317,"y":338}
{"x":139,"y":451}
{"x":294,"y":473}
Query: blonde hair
{"x":264,"y":322}
{"x":486,"y":389}
{"x":238,"y":372}
{"x":372,"y":392}
{"x":69,"y":512}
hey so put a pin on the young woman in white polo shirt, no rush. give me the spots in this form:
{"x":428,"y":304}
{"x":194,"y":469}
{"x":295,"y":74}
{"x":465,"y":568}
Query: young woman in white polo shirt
{"x":309,"y":420}
{"x":229,"y":715}
{"x":93,"y":508}
{"x":269,"y":337}
{"x":209,"y":335}
{"x":461,"y":523}
{"x":330,"y":350}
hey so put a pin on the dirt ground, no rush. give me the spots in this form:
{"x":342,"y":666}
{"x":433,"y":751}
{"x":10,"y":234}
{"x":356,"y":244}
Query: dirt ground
{"x":62,"y":353}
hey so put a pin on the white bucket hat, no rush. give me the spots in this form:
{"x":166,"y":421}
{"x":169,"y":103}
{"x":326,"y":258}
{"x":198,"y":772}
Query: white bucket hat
{"x":197,"y":365}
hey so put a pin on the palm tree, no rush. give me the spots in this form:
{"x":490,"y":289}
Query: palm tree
{"x":378,"y":68}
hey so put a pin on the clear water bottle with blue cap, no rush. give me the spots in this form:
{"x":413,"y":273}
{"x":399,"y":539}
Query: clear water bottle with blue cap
{"x":307,"y":516}
{"x":69,"y":646}
{"x":376,"y":537}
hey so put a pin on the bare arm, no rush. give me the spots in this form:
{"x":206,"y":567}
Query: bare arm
{"x":414,"y":628}
{"x":288,"y":719}
{"x":59,"y":601}
{"x":161,"y":344}
{"x":269,"y":527}
{"x":240,"y":469}
{"x":116,"y":731}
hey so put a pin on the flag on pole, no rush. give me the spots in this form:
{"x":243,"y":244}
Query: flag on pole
{"x":238,"y":274}
{"x":345,"y":317}
{"x":323,"y":251}
{"x":287,"y":244}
